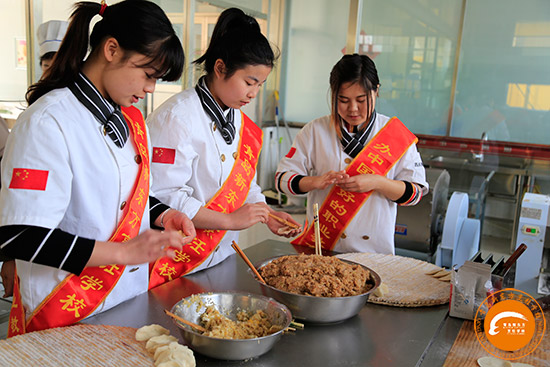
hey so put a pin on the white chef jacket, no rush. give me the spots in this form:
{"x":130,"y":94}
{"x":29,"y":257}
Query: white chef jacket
{"x":202,"y":162}
{"x":318,"y":150}
{"x":88,"y":179}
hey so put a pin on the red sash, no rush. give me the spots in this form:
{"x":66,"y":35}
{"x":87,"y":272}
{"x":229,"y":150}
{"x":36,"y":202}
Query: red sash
{"x":340,"y":206}
{"x":229,"y":197}
{"x":76,"y":297}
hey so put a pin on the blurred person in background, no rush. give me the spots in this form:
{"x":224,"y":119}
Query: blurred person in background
{"x":49,"y":35}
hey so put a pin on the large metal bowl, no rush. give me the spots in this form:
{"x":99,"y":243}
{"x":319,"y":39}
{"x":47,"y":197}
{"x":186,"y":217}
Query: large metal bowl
{"x":229,"y":304}
{"x":313,"y":309}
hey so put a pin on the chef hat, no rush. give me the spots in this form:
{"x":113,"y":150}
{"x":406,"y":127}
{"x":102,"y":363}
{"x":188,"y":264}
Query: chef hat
{"x":50,"y":35}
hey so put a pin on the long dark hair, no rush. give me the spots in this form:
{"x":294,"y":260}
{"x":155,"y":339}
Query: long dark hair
{"x":138,"y":25}
{"x":238,"y":41}
{"x":354,"y":68}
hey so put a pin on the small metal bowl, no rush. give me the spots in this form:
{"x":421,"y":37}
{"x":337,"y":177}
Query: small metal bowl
{"x":322,"y":310}
{"x":229,"y":304}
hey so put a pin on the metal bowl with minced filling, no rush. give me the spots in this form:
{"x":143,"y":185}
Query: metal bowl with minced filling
{"x":231,"y":305}
{"x":318,"y":289}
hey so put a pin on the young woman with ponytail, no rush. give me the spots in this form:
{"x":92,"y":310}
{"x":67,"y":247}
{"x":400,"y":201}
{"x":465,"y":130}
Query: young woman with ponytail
{"x":75,"y":205}
{"x":206,"y":149}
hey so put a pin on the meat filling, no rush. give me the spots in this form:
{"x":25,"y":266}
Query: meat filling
{"x":315,"y":275}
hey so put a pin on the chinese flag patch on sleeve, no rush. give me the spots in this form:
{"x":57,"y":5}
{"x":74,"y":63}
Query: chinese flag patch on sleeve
{"x":30,"y":179}
{"x":164,"y":155}
{"x":291,"y":152}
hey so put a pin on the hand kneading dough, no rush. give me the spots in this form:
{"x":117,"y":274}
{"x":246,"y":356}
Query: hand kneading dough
{"x":157,"y":341}
{"x":174,"y":354}
{"x":148,"y":331}
{"x":495,"y":362}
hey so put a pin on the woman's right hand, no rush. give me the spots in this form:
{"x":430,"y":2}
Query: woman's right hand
{"x":151,"y":245}
{"x":147,"y":247}
{"x":321,"y":182}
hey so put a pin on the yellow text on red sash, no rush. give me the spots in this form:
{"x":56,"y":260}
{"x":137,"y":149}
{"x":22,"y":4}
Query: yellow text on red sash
{"x":229,"y":197}
{"x":76,"y":297}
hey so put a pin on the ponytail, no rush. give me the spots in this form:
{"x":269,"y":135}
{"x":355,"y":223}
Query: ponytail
{"x":138,"y":25}
{"x":238,"y":41}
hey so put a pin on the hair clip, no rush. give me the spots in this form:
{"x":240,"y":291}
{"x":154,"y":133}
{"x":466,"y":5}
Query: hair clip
{"x":103,"y":7}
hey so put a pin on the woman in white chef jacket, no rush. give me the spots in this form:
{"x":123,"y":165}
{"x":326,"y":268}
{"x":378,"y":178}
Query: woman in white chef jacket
{"x":68,"y":204}
{"x":196,"y":136}
{"x":356,"y":182}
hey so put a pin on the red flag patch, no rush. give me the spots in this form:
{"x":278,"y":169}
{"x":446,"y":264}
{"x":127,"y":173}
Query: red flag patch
{"x":164,"y":155}
{"x":291,"y":152}
{"x":30,"y":179}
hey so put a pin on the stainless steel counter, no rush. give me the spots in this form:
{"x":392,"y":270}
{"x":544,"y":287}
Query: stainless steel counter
{"x":380,"y":336}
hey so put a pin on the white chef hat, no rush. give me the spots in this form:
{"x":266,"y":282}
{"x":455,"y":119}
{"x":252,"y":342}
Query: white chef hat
{"x":50,"y":34}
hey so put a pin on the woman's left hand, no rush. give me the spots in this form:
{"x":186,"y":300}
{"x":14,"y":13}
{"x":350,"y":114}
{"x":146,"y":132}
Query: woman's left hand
{"x":361,"y":183}
{"x":281,"y":229}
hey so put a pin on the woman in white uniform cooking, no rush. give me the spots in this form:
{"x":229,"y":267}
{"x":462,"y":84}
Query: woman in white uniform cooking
{"x":356,"y":164}
{"x":75,"y":206}
{"x":205,"y":149}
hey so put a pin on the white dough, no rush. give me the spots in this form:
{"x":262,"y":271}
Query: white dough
{"x":285,"y":230}
{"x":174,"y":354}
{"x":157,"y":341}
{"x":168,"y":364}
{"x":148,"y":331}
{"x":496,"y":362}
{"x":381,"y":291}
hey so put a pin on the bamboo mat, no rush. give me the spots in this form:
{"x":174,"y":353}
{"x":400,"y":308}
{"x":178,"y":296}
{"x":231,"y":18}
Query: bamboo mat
{"x":466,"y":349}
{"x":75,"y":346}
{"x":406,"y":278}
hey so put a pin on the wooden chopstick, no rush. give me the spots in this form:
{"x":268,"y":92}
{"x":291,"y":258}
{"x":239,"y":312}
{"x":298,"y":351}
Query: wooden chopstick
{"x":245,"y":258}
{"x":317,"y":230}
{"x":193,"y":325}
{"x":284,"y":221}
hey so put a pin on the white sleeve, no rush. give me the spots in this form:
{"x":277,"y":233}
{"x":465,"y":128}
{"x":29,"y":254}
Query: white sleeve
{"x":170,"y":180}
{"x":410,"y":168}
{"x":36,"y":145}
{"x":296,"y":163}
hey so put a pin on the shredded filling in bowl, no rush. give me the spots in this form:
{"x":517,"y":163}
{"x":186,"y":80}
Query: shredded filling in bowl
{"x":316,"y":275}
{"x":248,"y":325}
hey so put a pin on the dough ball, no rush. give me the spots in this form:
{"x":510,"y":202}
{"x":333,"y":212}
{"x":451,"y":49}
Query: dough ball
{"x":496,"y":362}
{"x":285,"y":230}
{"x":165,"y":348}
{"x":168,"y":364}
{"x":157,"y":341}
{"x":148,"y":331}
{"x":381,"y":291}
{"x":174,"y":354}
